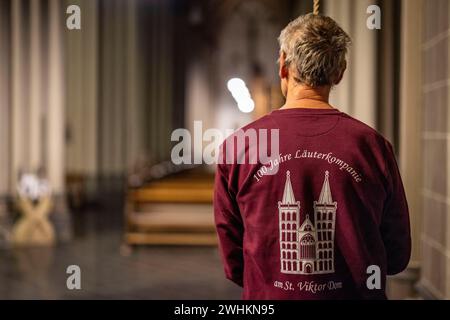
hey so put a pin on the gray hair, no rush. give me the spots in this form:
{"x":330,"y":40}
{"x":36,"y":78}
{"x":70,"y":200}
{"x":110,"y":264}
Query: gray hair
{"x":316,"y":46}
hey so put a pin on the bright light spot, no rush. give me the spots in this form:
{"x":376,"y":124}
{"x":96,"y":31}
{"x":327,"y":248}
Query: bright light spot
{"x":246,"y":105}
{"x":235,"y":84}
{"x":240,"y":93}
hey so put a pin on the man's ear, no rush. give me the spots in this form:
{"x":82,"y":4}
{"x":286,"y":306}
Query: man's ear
{"x":342,"y":73}
{"x":283,"y":71}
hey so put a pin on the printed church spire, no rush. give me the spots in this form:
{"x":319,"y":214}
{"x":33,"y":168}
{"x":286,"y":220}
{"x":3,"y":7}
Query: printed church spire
{"x":325,"y":194}
{"x":288,"y":195}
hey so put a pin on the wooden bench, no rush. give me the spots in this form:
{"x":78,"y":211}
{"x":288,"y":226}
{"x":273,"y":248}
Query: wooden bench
{"x":175,"y":210}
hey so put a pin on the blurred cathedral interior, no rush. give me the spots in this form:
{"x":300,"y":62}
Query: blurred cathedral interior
{"x":86,"y":118}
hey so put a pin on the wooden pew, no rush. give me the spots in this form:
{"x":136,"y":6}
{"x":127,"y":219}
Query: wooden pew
{"x":176,"y":210}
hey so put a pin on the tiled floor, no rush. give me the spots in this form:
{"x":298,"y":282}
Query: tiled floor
{"x":146,"y":273}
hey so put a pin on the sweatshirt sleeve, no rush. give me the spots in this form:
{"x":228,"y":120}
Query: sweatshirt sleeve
{"x":395,"y":226}
{"x":229,"y":226}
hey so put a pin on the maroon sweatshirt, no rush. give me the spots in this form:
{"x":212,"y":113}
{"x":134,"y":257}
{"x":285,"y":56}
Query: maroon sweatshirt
{"x":317,"y":219}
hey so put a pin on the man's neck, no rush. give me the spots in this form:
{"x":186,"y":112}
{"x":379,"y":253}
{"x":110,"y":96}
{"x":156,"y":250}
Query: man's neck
{"x":300,"y":96}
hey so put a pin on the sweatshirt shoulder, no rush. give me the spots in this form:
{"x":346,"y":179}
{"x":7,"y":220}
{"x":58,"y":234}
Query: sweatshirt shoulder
{"x":261,"y":123}
{"x":239,"y":142}
{"x":359,"y":129}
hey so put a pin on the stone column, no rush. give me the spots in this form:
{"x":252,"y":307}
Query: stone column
{"x":19,"y":87}
{"x":357,"y":92}
{"x":35,"y":93}
{"x":82,"y":59}
{"x":134,"y":144}
{"x":411,"y":117}
{"x":5,"y":107}
{"x":56,"y":120}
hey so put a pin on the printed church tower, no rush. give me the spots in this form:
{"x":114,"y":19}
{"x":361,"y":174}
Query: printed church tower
{"x":325,"y":219}
{"x":289,"y":211}
{"x":307,"y":248}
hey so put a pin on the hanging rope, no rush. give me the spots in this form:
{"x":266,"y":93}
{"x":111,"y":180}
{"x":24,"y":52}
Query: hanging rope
{"x":316,"y":7}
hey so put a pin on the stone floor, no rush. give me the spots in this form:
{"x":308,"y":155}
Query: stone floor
{"x":108,"y":273}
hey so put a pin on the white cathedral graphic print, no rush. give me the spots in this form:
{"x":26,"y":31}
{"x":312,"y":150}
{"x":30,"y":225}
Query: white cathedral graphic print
{"x":307,"y":248}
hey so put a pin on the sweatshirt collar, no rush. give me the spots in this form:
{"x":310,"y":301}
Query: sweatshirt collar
{"x":305,"y":111}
